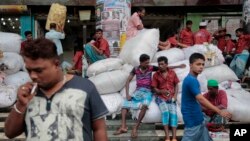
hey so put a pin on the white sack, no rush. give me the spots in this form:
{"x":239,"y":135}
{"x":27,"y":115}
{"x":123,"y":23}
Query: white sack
{"x":173,"y":55}
{"x":127,"y":68}
{"x":220,"y":73}
{"x":132,"y":88}
{"x":229,"y":85}
{"x":10,"y":42}
{"x":216,"y":54}
{"x":17,"y":79}
{"x":153,"y":114}
{"x":110,"y":82}
{"x":8,"y":95}
{"x":181,"y":72}
{"x":104,"y":65}
{"x":238,"y":101}
{"x":113,"y":102}
{"x":145,"y":42}
{"x":13,"y":62}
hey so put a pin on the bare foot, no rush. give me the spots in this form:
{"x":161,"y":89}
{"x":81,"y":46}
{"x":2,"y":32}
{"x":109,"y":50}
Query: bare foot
{"x":134,"y":133}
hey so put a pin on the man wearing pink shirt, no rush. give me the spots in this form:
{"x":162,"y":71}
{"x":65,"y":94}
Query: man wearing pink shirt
{"x":202,"y":35}
{"x":135,"y":23}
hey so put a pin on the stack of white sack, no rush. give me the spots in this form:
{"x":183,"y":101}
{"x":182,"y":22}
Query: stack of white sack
{"x":146,"y":42}
{"x":211,"y":52}
{"x":10,"y":42}
{"x":174,"y":55}
{"x":153,"y":114}
{"x":238,"y":101}
{"x":109,"y":78}
{"x":105,"y":65}
{"x":12,"y":65}
{"x":113,"y":103}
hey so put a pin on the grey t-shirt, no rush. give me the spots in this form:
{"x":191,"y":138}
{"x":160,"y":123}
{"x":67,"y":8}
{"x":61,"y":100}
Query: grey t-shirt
{"x":67,"y":115}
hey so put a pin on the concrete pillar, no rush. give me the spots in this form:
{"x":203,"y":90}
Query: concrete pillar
{"x":112,"y":18}
{"x":246,"y":15}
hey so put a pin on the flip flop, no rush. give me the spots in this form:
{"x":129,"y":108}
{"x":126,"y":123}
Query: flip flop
{"x":134,"y":133}
{"x":120,"y":131}
{"x":174,"y":140}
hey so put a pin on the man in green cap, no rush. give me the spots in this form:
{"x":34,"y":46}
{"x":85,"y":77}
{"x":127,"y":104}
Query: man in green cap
{"x":219,"y":99}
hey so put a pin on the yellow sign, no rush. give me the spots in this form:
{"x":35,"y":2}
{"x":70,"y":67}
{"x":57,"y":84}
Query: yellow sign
{"x":13,"y":8}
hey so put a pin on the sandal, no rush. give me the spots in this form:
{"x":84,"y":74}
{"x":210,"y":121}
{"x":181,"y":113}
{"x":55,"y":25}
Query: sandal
{"x":174,"y":139}
{"x":120,"y":131}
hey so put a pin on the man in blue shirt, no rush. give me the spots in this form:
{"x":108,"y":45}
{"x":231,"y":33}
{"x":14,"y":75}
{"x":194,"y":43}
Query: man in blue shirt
{"x":191,"y":101}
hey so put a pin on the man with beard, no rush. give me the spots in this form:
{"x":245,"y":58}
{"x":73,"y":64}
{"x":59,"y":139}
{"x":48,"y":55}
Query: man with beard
{"x":135,"y":23}
{"x":219,"y":99}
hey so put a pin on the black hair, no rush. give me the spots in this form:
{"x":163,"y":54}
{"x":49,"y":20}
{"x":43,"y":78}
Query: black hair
{"x":228,"y":35}
{"x":52,"y":25}
{"x":189,"y":22}
{"x":239,"y":30}
{"x":196,"y":56}
{"x":162,"y":58}
{"x":26,"y":33}
{"x":140,"y":9}
{"x":40,"y":48}
{"x":144,"y":57}
{"x":99,"y":30}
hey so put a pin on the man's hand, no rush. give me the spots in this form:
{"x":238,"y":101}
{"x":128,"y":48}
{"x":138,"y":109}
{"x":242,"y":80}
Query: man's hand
{"x":24,"y":96}
{"x":128,"y":97}
{"x":182,"y":66}
{"x":225,"y":114}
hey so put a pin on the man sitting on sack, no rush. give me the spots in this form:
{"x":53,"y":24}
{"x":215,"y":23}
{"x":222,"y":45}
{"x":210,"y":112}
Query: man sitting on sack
{"x":219,"y":99}
{"x":98,"y":50}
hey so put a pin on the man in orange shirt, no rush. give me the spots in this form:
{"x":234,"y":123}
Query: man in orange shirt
{"x":28,"y":36}
{"x":135,"y":23}
{"x":228,"y":52}
{"x":219,"y":35}
{"x":202,"y":35}
{"x":99,"y":49}
{"x":171,"y":42}
{"x":186,"y":35}
{"x":239,"y":61}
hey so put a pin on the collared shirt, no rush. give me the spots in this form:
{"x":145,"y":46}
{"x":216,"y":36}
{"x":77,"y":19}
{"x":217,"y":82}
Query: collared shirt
{"x":202,"y":36}
{"x":55,"y":36}
{"x":221,"y":42}
{"x":133,"y":22}
{"x":220,"y":101}
{"x":23,"y":44}
{"x":187,"y":37}
{"x":229,"y":46}
{"x":143,"y":79}
{"x":173,"y":42}
{"x":165,"y":83}
{"x":103,"y":45}
{"x":243,"y":41}
{"x":78,"y":60}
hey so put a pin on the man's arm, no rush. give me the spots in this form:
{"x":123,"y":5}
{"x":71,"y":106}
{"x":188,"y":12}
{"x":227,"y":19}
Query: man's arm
{"x":99,"y":130}
{"x":15,"y":122}
{"x":204,"y":102}
{"x":176,"y":91}
{"x":130,"y":77}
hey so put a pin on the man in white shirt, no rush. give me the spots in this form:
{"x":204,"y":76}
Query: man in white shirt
{"x":55,"y":36}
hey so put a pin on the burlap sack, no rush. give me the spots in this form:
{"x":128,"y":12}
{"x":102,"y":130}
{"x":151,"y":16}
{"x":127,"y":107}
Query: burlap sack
{"x":57,"y":14}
